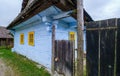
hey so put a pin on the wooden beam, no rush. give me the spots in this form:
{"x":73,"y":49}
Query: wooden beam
{"x":63,"y":15}
{"x":80,"y":37}
{"x":53,"y":49}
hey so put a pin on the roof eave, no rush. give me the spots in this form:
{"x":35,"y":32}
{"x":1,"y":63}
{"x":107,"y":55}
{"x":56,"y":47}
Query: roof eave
{"x":38,"y":6}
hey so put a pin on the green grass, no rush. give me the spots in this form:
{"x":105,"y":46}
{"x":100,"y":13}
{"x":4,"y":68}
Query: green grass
{"x":2,"y":47}
{"x":85,"y":71}
{"x":21,"y":64}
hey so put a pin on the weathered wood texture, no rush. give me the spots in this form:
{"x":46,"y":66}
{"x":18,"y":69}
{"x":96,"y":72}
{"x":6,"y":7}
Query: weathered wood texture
{"x":38,"y":6}
{"x":118,"y":49}
{"x":53,"y":48}
{"x":6,"y":42}
{"x":80,"y":27}
{"x":64,"y":57}
{"x":103,"y":44}
{"x":92,"y":50}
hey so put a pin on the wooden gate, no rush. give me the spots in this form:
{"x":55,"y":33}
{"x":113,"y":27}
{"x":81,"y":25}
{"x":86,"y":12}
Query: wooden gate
{"x":64,"y":57}
{"x":103,"y":48}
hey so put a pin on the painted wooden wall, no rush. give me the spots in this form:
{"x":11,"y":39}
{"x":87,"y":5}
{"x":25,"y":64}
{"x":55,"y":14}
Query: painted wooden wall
{"x":41,"y":51}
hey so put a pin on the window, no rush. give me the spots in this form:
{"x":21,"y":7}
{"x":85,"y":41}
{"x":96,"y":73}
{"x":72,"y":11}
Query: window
{"x":31,"y":38}
{"x":71,"y":35}
{"x":22,"y":38}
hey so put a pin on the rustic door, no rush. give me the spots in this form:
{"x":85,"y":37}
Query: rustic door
{"x":64,"y":57}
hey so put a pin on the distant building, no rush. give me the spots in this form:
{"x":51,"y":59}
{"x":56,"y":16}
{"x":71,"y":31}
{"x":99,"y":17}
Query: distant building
{"x":6,"y":39}
{"x":32,"y":27}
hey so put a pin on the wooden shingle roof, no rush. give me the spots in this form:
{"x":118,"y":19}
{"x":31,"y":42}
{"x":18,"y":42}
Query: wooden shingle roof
{"x":4,"y":33}
{"x":33,"y":7}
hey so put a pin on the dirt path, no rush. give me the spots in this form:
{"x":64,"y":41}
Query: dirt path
{"x":5,"y":70}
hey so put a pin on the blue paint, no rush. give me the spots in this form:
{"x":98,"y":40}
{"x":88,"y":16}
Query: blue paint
{"x":41,"y":52}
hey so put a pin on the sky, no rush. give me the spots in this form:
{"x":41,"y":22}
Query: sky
{"x":98,"y":9}
{"x":102,"y":9}
{"x":9,"y":9}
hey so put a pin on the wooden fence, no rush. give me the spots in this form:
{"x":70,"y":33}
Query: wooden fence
{"x":103,"y":48}
{"x":6,"y":42}
{"x":64,"y":57}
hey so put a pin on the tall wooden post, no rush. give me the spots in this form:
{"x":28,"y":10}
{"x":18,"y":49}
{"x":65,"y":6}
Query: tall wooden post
{"x":80,"y":37}
{"x":53,"y":48}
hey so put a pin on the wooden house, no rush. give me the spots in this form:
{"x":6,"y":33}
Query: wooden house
{"x":6,"y":40}
{"x":32,"y":28}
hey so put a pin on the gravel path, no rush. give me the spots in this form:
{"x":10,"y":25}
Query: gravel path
{"x":5,"y":70}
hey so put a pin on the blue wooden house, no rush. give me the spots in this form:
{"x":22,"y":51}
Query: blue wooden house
{"x":32,"y":28}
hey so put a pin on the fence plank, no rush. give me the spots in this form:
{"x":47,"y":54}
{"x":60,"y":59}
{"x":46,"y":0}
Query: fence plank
{"x":103,"y":48}
{"x":92,"y":53}
{"x":118,"y":49}
{"x":107,"y":46}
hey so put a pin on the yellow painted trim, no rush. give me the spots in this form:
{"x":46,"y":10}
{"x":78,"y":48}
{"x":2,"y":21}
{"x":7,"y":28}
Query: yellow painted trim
{"x":21,"y":38}
{"x":31,"y":38}
{"x":71,"y":35}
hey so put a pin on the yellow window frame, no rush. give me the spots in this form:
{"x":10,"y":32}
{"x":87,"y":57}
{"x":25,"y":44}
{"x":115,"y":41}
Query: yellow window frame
{"x":21,"y":38}
{"x":72,"y":36}
{"x":31,"y":38}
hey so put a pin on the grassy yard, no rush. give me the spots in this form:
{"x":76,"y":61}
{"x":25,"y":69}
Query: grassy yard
{"x":21,"y":64}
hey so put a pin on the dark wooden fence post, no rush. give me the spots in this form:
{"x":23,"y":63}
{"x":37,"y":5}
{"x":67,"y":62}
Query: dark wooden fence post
{"x":53,"y":48}
{"x":115,"y":59}
{"x":80,"y":27}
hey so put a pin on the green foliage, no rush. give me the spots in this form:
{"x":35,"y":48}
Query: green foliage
{"x":24,"y":66}
{"x":84,"y":70}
